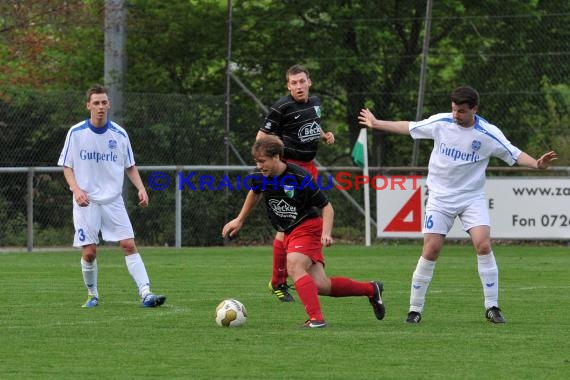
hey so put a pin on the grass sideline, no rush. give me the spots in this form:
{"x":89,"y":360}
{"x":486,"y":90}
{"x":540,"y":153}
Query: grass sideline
{"x":46,"y":334}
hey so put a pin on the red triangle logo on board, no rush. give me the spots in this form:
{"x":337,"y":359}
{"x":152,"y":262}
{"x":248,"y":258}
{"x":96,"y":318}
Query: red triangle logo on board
{"x":402,"y":222}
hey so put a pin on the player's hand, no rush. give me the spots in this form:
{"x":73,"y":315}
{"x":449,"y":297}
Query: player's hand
{"x":328,"y":138}
{"x":143,"y":198}
{"x":231,"y":228}
{"x":81,"y":198}
{"x":327,"y":240}
{"x":544,"y":161}
{"x":366,"y":117}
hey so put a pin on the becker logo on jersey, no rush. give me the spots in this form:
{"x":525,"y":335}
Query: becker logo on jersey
{"x":309,"y":132}
{"x":282,"y":209}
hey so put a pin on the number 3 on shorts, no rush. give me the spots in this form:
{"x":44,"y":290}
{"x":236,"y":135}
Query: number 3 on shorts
{"x":81,"y":234}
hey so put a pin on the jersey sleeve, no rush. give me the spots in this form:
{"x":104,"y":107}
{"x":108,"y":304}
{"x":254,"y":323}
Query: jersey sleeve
{"x":272,"y":123}
{"x":504,"y":149}
{"x":65,"y":157}
{"x":129,"y":155}
{"x":424,"y":129}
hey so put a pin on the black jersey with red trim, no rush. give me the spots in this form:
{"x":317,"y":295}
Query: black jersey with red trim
{"x":297,"y":124}
{"x":289,"y":198}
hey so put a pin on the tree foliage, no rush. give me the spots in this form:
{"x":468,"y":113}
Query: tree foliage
{"x":361,"y":53}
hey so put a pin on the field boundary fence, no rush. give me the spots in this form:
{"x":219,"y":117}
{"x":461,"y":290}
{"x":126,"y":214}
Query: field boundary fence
{"x":180,"y":215}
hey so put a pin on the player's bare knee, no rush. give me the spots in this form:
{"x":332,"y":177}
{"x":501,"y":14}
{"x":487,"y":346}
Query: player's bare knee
{"x":128,"y":246}
{"x":482,"y":246}
{"x":483,"y":249}
{"x":89,"y":253}
{"x":295,"y":272}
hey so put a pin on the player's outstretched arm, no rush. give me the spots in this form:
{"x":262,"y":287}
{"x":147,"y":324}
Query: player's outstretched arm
{"x":542,"y":163}
{"x":233,"y":226}
{"x":368,"y":119}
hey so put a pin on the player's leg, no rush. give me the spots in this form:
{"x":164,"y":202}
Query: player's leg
{"x":278,"y":284}
{"x":347,"y":287}
{"x":90,"y":274}
{"x":476,"y":222}
{"x":87,"y":222}
{"x":298,"y":265}
{"x":423,"y":275}
{"x":116,"y":226}
{"x":486,"y":265}
{"x":436,"y":226}
{"x":137,"y":270}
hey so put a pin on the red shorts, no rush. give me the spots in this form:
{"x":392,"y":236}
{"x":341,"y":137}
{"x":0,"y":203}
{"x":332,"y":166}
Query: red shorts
{"x":306,"y":239}
{"x":309,"y":166}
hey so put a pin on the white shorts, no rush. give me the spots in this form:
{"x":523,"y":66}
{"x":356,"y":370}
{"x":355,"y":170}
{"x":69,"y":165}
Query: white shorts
{"x":111,"y":219}
{"x":439,"y":217}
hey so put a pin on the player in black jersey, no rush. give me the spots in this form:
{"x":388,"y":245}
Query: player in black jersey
{"x":296,"y":120}
{"x":292,"y":200}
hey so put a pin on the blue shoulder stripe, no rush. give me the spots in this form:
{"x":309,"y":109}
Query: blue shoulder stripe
{"x":481,"y":129}
{"x":76,"y":129}
{"x":445,"y":119}
{"x":115,"y":129}
{"x":80,"y":127}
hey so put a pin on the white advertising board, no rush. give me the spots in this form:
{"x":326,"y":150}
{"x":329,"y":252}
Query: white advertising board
{"x":520,"y":208}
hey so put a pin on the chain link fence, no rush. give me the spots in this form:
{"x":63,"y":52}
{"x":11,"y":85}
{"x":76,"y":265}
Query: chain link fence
{"x":168,"y":134}
{"x":524,"y":92}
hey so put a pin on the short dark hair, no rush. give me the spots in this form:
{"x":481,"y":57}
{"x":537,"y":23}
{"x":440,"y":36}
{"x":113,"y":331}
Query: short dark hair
{"x":96,"y":89}
{"x":465,"y":95}
{"x":296,"y":69}
{"x":269,"y":146}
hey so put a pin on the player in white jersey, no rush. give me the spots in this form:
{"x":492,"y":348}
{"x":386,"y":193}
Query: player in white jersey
{"x":463,"y":144}
{"x":96,"y":154}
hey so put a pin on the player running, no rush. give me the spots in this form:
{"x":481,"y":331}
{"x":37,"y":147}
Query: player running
{"x":292,"y":207}
{"x":296,"y":120}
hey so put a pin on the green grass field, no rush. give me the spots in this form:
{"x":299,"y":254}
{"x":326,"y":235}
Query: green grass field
{"x":46,"y":334}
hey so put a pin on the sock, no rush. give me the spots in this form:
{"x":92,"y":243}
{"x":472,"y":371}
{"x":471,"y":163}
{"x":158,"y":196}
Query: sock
{"x":489,"y":275}
{"x":89,"y":270}
{"x":347,"y":287}
{"x":279,"y":275}
{"x":308,"y":294}
{"x":137,"y":270}
{"x":420,"y":283}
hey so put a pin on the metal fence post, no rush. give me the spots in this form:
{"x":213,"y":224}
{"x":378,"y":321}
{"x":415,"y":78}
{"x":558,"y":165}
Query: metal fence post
{"x":30,"y":210}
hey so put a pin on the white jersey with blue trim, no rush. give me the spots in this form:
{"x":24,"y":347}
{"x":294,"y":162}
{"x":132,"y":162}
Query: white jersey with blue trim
{"x":98,"y":157}
{"x":460,"y":155}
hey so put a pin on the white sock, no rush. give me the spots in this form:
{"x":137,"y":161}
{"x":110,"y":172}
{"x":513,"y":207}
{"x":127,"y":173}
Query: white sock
{"x":89,"y":270}
{"x":420,"y":283}
{"x":138,"y":273}
{"x":489,"y":275}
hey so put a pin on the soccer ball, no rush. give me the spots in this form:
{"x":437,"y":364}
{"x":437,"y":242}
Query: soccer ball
{"x":230,"y":313}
